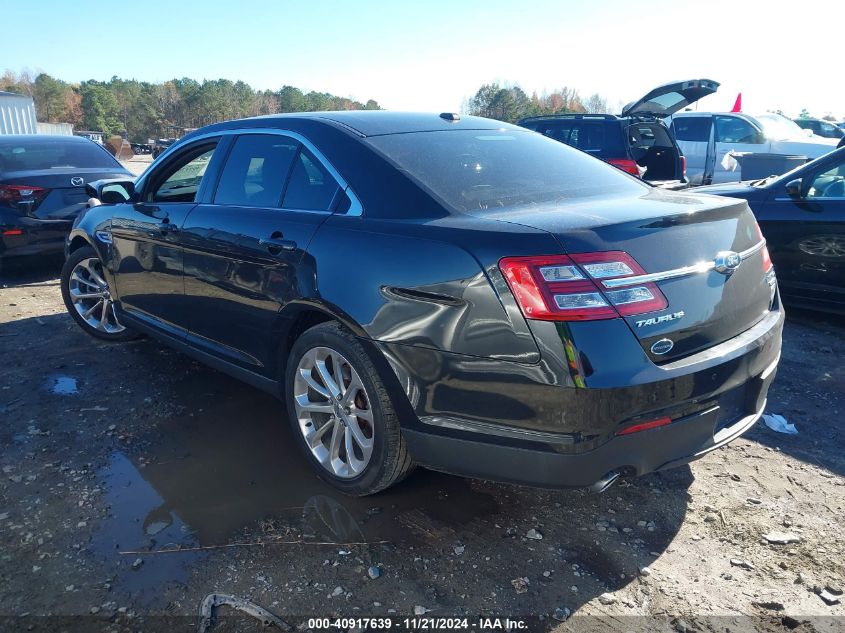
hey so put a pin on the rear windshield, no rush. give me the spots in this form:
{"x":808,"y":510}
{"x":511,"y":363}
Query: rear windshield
{"x":53,"y":155}
{"x":491,"y":169}
{"x":600,"y":138}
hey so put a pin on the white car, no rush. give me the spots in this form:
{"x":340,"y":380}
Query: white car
{"x":706,"y":137}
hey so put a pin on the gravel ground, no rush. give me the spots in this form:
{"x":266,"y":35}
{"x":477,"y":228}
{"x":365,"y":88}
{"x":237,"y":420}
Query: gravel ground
{"x":113,"y":455}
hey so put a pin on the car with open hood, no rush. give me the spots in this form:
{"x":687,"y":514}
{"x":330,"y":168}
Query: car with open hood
{"x":440,"y":290}
{"x":636,"y":141}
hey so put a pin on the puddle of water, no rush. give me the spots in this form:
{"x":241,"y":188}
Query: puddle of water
{"x":62,"y":385}
{"x":234,"y":464}
{"x":210,"y":478}
{"x":139,"y":519}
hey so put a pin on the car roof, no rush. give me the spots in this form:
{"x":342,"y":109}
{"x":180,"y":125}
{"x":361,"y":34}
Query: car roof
{"x":381,"y":122}
{"x":18,"y":139}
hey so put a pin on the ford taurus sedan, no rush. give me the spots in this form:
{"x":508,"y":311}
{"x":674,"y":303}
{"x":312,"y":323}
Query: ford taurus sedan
{"x":446,"y":291}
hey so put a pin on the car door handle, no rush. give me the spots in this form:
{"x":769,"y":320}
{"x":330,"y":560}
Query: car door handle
{"x":167,"y":227}
{"x":276,"y":244}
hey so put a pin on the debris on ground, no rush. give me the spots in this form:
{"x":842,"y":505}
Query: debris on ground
{"x":209,"y":605}
{"x":782,"y":538}
{"x":779,"y":424}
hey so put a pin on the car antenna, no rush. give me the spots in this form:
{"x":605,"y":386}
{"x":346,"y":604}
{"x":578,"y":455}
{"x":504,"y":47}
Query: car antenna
{"x":450,"y":116}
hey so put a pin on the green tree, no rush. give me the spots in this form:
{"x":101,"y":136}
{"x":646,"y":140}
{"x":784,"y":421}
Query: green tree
{"x":49,"y":95}
{"x":100,"y":108}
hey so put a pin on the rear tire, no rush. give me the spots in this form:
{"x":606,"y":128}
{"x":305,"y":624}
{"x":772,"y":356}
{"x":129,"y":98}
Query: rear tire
{"x":341,"y":415}
{"x":88,"y":299}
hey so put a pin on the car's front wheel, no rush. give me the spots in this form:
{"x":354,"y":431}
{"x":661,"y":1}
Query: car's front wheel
{"x":88,"y":299}
{"x":341,"y":413}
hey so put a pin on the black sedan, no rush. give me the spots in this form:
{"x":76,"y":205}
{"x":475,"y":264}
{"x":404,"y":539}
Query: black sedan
{"x":802,"y":214}
{"x":42,"y":189}
{"x":441,"y":290}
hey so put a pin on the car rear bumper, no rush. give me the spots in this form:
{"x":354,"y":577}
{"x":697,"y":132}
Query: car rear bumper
{"x":24,"y":236}
{"x":569,"y":436}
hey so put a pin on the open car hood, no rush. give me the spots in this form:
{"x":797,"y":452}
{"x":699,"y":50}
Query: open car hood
{"x":668,"y":99}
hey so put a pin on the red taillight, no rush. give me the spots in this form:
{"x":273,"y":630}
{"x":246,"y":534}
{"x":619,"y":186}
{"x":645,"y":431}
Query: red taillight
{"x":767,"y":260}
{"x":626,"y":164}
{"x":683,"y":166}
{"x":569,"y":288}
{"x":645,"y":426}
{"x":16,"y":194}
{"x":11,"y":232}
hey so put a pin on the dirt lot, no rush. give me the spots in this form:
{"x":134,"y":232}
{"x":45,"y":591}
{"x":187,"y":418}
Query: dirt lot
{"x":113,"y":455}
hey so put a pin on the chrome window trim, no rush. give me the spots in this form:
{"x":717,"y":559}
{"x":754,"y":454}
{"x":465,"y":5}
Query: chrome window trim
{"x":355,"y":206}
{"x":701,"y":267}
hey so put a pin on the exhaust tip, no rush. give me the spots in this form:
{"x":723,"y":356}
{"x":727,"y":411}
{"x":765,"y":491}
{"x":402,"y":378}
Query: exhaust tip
{"x":607,"y":482}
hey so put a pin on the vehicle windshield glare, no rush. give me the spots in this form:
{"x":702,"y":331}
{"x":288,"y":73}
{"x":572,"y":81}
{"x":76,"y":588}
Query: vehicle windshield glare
{"x":779,"y":128}
{"x":495,"y":169}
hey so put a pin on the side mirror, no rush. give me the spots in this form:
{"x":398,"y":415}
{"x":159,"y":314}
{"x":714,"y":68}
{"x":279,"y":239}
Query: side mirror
{"x":111,"y":191}
{"x":794,"y":188}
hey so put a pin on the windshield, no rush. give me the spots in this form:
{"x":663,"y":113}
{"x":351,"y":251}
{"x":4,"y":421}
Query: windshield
{"x":487,"y":169}
{"x":779,"y":128}
{"x":36,"y":155}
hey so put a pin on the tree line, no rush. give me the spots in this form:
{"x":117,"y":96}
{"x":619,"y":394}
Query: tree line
{"x":511,"y":103}
{"x":147,"y":110}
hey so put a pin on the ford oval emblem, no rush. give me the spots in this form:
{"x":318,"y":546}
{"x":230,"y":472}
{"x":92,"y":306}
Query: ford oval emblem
{"x":727,"y":262}
{"x":663,"y":346}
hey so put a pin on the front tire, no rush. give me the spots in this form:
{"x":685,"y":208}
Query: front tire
{"x":87,"y":297}
{"x":341,"y":414}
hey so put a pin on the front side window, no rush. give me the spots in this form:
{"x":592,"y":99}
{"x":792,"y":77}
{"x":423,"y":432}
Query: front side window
{"x":182,"y":178}
{"x":256,"y":171}
{"x":731,"y":129}
{"x":829,"y":184}
{"x":311,"y":187}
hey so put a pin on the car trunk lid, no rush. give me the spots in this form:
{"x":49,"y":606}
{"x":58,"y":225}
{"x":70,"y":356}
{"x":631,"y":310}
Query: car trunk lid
{"x":680,"y":236}
{"x":49,"y":193}
{"x":668,"y":99}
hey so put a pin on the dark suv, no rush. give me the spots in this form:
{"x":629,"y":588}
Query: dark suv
{"x":637,"y":141}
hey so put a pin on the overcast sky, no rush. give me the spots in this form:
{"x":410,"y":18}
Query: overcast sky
{"x":432,"y":55}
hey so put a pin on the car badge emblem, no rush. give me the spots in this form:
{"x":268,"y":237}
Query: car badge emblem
{"x":77,"y":181}
{"x":663,"y":346}
{"x":727,"y":262}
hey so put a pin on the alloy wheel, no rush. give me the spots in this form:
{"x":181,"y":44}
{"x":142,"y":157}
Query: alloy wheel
{"x":333,"y":412}
{"x":91,"y":297}
{"x":824,"y":245}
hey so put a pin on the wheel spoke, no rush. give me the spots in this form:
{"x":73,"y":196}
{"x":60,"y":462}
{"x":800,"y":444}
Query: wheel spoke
{"x":86,"y":295}
{"x":354,"y":387}
{"x":93,"y":272}
{"x":306,"y":376}
{"x":304,"y":404}
{"x":327,"y":378}
{"x":337,"y":438}
{"x":357,"y":434}
{"x":317,"y":438}
{"x":91,"y":310}
{"x":76,"y":276}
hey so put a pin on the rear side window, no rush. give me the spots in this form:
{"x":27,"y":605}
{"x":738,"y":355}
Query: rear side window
{"x":256,"y":171}
{"x":601,"y":138}
{"x":53,"y":155}
{"x":311,"y":187}
{"x":692,"y":128}
{"x":499,"y":169}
